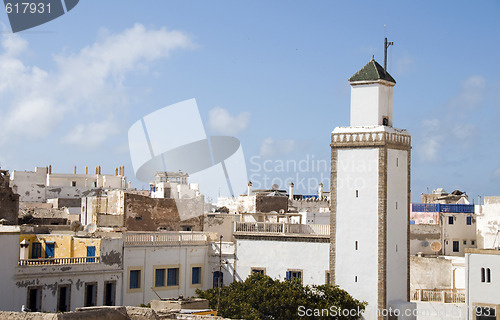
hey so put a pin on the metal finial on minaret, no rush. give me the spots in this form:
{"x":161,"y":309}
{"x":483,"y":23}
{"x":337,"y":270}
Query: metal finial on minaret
{"x":386,"y":45}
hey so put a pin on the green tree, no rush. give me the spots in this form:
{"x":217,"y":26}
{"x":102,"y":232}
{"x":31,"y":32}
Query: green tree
{"x":260,"y":297}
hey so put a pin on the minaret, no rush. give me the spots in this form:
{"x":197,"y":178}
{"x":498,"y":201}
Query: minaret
{"x":370,"y":183}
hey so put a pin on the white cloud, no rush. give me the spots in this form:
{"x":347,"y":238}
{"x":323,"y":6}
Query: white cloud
{"x":471,"y":94}
{"x":220,"y":121}
{"x":91,"y":134}
{"x":271,"y":147}
{"x":432,"y":139}
{"x":404,"y":64}
{"x":84,"y":83}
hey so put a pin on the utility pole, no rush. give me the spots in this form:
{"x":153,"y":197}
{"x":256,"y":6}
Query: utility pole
{"x":386,"y":45}
{"x":219,"y":281}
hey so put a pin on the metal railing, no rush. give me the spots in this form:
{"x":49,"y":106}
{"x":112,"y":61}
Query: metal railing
{"x":282,"y":228}
{"x":58,"y":261}
{"x":439,"y":207}
{"x":438,"y":295}
{"x":164,"y":239}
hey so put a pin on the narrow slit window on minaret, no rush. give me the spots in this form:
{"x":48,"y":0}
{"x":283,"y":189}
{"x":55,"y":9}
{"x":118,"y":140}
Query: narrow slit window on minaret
{"x":356,"y":245}
{"x":397,"y":162}
{"x":396,"y":205}
{"x":355,"y":278}
{"x":357,"y":194}
{"x":396,"y":248}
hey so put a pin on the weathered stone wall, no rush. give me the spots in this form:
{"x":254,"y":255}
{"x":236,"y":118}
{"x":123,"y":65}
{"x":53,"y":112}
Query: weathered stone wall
{"x":264,"y":203}
{"x":430,"y":273}
{"x":9,"y":201}
{"x":152,"y":214}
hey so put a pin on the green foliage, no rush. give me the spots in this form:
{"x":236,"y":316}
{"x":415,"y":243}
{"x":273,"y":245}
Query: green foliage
{"x":260,"y":297}
{"x":142,"y":305}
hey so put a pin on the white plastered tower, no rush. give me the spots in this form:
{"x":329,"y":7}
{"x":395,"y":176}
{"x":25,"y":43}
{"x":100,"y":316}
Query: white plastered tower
{"x":370,"y":183}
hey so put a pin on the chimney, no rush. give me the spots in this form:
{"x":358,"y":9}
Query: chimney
{"x":50,"y":169}
{"x":116,"y":171}
{"x":99,"y":172}
{"x":75,"y":170}
{"x":320,"y":191}
{"x":249,"y":191}
{"x":290,"y":193}
{"x":86,"y":169}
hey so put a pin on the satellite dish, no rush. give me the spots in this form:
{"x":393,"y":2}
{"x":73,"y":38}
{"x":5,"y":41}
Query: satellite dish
{"x":275,"y":187}
{"x":425,"y":244}
{"x":91,"y":228}
{"x":436,"y":246}
{"x":76,"y":226}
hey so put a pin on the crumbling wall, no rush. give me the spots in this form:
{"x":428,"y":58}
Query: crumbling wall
{"x":9,"y":201}
{"x":264,"y":203}
{"x":152,"y":214}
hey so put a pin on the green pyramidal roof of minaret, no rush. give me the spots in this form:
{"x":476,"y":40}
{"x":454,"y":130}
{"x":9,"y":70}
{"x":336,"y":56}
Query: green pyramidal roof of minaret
{"x":372,"y":72}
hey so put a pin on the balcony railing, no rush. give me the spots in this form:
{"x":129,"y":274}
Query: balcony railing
{"x":439,"y":207}
{"x":439,"y":295}
{"x":282,"y":228}
{"x":58,"y":261}
{"x":165,"y":239}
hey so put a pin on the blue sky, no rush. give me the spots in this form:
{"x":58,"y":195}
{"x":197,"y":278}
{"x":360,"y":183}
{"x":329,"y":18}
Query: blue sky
{"x":273,"y":74}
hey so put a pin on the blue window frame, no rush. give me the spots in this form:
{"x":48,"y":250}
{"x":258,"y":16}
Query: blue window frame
{"x":90,"y":253}
{"x":49,"y":250}
{"x":218,"y":279}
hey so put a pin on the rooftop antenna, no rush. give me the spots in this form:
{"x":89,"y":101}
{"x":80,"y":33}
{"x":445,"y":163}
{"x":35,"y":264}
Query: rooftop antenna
{"x":386,"y":45}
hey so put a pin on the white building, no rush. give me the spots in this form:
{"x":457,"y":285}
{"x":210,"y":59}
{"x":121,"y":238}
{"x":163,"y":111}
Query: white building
{"x":482,"y":283}
{"x":62,"y":279}
{"x":172,"y":264}
{"x":283,"y":251}
{"x":370,"y":197}
{"x":488,"y":229}
{"x":42,"y":184}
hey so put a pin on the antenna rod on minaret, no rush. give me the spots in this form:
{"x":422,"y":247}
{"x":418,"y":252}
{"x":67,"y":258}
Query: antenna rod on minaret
{"x":386,"y":45}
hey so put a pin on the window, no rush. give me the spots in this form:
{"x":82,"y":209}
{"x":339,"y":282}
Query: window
{"x":472,"y":242}
{"x":73,"y":183}
{"x":36,"y":250}
{"x":465,"y":242}
{"x":109,"y":293}
{"x":385,"y":121}
{"x":196,"y":275}
{"x":187,"y":228}
{"x":49,"y":249}
{"x":396,"y":205}
{"x":356,"y":245}
{"x":90,"y":294}
{"x":259,"y":270}
{"x":488,"y":275}
{"x":357,"y":193}
{"x":90,"y":253}
{"x":159,"y":278}
{"x":327,"y":277}
{"x":172,"y":277}
{"x":63,"y":295}
{"x":450,"y":220}
{"x":134,"y":279}
{"x":456,"y":246}
{"x":218,"y":281}
{"x":34,"y":299}
{"x":355,"y":278}
{"x":469,"y":221}
{"x":294,"y":274}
